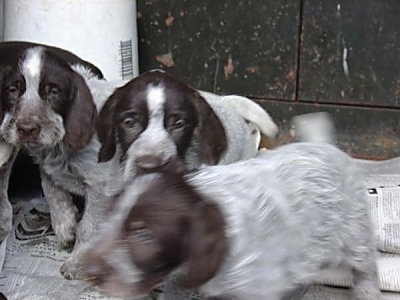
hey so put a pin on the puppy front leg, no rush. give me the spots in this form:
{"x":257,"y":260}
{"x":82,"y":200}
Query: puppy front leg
{"x":95,"y":207}
{"x":5,"y":205}
{"x":296,"y":293}
{"x":94,"y":213}
{"x":366,"y":281}
{"x":63,"y":212}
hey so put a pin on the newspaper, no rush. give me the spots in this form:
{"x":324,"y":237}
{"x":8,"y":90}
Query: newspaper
{"x":388,"y":270}
{"x":319,"y":292}
{"x":30,"y":260}
{"x":385,"y":211}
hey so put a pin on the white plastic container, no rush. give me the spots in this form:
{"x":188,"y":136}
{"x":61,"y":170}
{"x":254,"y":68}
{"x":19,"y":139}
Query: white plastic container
{"x":103,"y":32}
{"x":1,"y":20}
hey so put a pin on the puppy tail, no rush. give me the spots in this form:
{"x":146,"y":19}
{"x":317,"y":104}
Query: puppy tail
{"x":314,"y":127}
{"x":84,"y":71}
{"x":253,"y":113}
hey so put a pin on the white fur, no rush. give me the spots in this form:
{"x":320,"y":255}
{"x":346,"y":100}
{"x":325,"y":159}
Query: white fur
{"x":31,"y":67}
{"x":33,"y":62}
{"x":315,"y":127}
{"x":156,"y":100}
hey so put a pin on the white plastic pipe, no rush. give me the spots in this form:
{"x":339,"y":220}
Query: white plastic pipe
{"x":103,"y":32}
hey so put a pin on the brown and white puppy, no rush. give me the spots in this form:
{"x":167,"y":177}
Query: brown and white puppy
{"x":156,"y":117}
{"x":45,"y":101}
{"x":254,"y":229}
{"x":49,"y":110}
{"x":13,"y":82}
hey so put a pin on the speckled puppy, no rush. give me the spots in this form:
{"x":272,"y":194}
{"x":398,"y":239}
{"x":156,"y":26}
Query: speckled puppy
{"x":254,"y":229}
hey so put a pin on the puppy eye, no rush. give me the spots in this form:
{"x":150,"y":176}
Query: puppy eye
{"x":138,"y":232}
{"x":129,"y":122}
{"x":13,"y":89}
{"x":143,"y":235}
{"x":179,"y":123}
{"x":52,"y":91}
{"x":175,"y":122}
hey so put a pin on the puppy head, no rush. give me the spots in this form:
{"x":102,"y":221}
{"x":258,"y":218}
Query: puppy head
{"x":155,"y":117}
{"x":168,"y":225}
{"x":16,"y":48}
{"x":45,"y":102}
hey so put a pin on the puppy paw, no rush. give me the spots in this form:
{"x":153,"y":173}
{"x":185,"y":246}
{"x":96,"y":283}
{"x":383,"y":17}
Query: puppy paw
{"x":366,"y":291}
{"x":71,"y":269}
{"x":5,"y":221}
{"x":4,"y":230}
{"x":65,"y":232}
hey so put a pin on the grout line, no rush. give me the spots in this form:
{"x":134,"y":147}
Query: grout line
{"x":299,"y":45}
{"x":325,"y":103}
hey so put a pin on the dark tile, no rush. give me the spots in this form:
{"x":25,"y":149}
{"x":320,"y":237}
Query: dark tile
{"x":362,"y":132}
{"x":350,"y":52}
{"x":244,"y":47}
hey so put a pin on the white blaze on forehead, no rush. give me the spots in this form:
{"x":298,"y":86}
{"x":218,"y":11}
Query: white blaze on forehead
{"x":31,"y":68}
{"x":155,"y":99}
{"x":32,"y":64}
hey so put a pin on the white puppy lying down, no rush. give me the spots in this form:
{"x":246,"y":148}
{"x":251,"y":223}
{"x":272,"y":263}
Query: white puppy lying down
{"x":254,"y":229}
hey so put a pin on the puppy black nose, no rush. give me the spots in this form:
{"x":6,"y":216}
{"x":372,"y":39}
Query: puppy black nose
{"x":26,"y":128}
{"x":148,"y":162}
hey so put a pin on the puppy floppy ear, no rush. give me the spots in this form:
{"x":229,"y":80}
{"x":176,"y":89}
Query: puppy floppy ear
{"x":210,"y":132}
{"x":4,"y":71}
{"x":207,"y":245}
{"x":105,"y":129}
{"x":81,"y":117}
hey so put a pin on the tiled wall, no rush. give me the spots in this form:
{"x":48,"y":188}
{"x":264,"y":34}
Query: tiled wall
{"x":291,"y":56}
